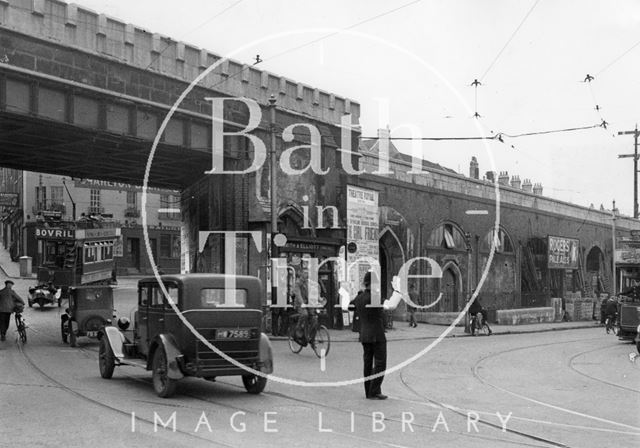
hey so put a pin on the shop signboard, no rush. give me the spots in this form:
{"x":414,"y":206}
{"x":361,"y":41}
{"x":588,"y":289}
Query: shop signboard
{"x":627,"y":252}
{"x":562,"y":252}
{"x":55,"y":233}
{"x":8,"y":199}
{"x":119,"y":186}
{"x":362,"y":233}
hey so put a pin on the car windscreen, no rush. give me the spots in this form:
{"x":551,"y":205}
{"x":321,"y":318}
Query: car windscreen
{"x":223,"y":298}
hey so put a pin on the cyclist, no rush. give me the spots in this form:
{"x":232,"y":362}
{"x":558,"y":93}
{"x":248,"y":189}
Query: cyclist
{"x":611,"y":310}
{"x":9,"y":299}
{"x":300,"y":299}
{"x":476,"y":310}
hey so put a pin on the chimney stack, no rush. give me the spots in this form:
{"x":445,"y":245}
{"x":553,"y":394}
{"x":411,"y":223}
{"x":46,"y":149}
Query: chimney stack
{"x":491,"y":176}
{"x":527,"y":186}
{"x":537,"y":189}
{"x":504,"y":178}
{"x":474,"y":169}
{"x":515,"y":182}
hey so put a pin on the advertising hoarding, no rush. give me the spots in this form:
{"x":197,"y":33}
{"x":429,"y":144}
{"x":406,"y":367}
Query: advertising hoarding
{"x":562,"y":252}
{"x":362,"y":232}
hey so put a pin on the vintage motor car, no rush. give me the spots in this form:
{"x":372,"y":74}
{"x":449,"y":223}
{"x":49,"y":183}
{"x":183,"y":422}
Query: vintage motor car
{"x":44,"y":294}
{"x":90,"y":309}
{"x":230,"y":319}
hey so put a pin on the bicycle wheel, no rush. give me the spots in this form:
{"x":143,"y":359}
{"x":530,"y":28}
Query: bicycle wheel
{"x":485,"y":329}
{"x":321,"y":342}
{"x":293,"y":343}
{"x":22,"y":330}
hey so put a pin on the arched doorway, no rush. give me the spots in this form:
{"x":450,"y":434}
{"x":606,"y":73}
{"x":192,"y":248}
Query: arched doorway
{"x":448,"y":246}
{"x":450,"y":288}
{"x":597,"y":280}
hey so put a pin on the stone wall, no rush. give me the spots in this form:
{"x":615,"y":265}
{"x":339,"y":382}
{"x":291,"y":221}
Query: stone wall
{"x":94,"y":49}
{"x":525,"y":316}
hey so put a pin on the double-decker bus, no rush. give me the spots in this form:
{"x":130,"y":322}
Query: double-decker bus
{"x":73,"y":253}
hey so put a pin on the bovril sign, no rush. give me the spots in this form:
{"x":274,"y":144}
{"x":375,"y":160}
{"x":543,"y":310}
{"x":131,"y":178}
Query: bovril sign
{"x":64,"y":234}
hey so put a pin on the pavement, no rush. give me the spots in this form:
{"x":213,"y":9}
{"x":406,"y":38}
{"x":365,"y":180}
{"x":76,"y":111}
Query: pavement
{"x":400,"y":331}
{"x":9,"y":268}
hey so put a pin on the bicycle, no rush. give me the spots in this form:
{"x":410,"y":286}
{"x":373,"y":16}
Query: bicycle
{"x":21,"y":327}
{"x":610,"y":323}
{"x":480,"y":325}
{"x":319,"y":338}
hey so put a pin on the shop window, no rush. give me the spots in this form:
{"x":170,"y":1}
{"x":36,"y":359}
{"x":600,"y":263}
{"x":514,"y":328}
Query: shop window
{"x":169,"y":246}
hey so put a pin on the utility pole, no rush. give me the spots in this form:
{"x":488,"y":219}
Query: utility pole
{"x":635,"y":167}
{"x":613,"y":240}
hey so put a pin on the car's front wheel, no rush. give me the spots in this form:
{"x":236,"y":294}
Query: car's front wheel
{"x":162,"y":384}
{"x":106,"y":359}
{"x":254,"y":383}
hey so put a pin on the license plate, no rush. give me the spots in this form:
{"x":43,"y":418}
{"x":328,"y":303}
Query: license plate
{"x":232,"y":334}
{"x":92,"y":334}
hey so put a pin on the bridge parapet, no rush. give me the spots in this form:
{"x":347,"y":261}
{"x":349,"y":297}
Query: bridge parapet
{"x":85,"y":30}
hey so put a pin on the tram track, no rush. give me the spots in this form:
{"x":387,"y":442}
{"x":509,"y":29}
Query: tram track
{"x":98,"y":403}
{"x":530,"y":438}
{"x":593,"y":378}
{"x":455,"y":410}
{"x":91,"y":353}
{"x":476,"y":373}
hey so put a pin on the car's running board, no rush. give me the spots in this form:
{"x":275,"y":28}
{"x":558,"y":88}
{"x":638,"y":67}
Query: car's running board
{"x":131,"y":362}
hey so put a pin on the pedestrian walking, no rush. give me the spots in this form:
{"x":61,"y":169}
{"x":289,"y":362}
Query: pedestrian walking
{"x":9,"y":299}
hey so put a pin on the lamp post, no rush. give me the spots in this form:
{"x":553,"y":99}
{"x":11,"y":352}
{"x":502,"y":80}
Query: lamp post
{"x":274,"y":204}
{"x":467,"y":237}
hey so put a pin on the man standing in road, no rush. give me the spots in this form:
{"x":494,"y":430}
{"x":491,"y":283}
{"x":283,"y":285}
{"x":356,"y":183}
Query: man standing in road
{"x":8,"y":301}
{"x":374,"y":342}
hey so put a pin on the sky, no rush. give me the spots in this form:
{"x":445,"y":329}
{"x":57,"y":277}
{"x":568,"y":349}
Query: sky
{"x":410,"y":65}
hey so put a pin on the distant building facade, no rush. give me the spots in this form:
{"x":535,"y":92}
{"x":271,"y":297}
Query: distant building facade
{"x":46,"y":195}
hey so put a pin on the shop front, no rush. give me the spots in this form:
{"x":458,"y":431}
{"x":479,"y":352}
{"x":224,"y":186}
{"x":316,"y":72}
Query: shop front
{"x":299,"y":253}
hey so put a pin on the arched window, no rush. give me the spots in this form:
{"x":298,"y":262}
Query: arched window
{"x":447,"y":236}
{"x":503,"y":242}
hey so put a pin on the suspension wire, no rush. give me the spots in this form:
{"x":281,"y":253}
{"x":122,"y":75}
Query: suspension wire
{"x":606,"y":67}
{"x":509,"y":40}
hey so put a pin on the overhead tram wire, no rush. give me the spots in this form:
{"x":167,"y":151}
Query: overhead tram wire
{"x":206,"y":22}
{"x":606,"y":67}
{"x":497,"y":136}
{"x":509,"y":40}
{"x":478,"y":81}
{"x":311,"y":42}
